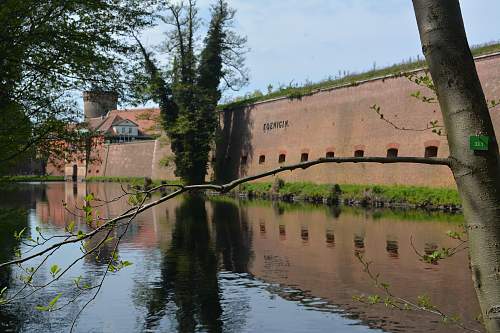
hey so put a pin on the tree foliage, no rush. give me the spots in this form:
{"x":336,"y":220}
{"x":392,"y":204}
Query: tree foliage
{"x":49,"y":50}
{"x":189,"y":90}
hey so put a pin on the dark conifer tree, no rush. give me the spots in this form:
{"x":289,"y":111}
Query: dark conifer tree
{"x":188,"y":94}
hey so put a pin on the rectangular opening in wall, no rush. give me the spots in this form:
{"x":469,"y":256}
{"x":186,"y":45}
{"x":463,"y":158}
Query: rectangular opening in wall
{"x":304,"y":157}
{"x":392,"y":152}
{"x":262,"y":159}
{"x":359,"y":153}
{"x":244,"y":160}
{"x":282,"y":158}
{"x":431,"y":151}
{"x":330,"y":154}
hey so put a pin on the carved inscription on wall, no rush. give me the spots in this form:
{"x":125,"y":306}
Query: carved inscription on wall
{"x":275,"y":125}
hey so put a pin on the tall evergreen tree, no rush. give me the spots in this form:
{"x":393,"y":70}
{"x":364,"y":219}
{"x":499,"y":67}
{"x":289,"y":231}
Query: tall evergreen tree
{"x":188,"y":94}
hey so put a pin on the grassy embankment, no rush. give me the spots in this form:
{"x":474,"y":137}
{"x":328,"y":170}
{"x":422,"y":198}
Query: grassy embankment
{"x":297,"y":92}
{"x":356,"y":194}
{"x":130,"y":180}
{"x":414,"y":215}
{"x":31,"y":178}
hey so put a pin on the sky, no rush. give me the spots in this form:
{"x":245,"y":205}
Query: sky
{"x":299,"y":40}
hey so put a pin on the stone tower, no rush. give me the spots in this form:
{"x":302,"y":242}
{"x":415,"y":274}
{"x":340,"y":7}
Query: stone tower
{"x":98,"y":103}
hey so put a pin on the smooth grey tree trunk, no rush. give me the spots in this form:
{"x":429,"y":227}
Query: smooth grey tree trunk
{"x":465,"y":113}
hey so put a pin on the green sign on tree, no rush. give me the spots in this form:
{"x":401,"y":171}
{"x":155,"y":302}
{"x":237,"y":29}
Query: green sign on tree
{"x":479,"y":142}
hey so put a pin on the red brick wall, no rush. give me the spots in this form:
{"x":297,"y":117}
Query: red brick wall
{"x":341,"y":119}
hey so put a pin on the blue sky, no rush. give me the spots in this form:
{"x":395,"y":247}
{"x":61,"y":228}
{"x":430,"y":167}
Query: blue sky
{"x":303,"y":40}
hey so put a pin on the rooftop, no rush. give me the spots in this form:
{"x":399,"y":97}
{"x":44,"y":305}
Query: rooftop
{"x":147,"y":119}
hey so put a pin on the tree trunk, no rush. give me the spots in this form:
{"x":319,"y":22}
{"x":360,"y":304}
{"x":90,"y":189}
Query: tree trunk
{"x":465,"y":113}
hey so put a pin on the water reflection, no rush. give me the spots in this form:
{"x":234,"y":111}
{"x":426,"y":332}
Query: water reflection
{"x":233,"y":236}
{"x":392,"y":248}
{"x":14,"y":216}
{"x":223,"y":266}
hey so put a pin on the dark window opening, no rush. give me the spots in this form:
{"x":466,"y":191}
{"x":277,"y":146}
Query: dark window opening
{"x":304,"y":157}
{"x":244,"y":159}
{"x":330,"y":154}
{"x":359,"y":242}
{"x":330,"y":237}
{"x":304,"y":234}
{"x":262,"y":227}
{"x":393,"y":152}
{"x":262,"y":159}
{"x":359,"y":153}
{"x":282,"y":158}
{"x":431,"y":151}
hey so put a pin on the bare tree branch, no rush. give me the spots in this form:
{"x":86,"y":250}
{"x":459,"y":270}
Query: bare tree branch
{"x":229,"y":186}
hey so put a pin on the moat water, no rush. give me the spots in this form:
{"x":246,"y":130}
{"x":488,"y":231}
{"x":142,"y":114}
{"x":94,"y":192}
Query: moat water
{"x":223,"y":265}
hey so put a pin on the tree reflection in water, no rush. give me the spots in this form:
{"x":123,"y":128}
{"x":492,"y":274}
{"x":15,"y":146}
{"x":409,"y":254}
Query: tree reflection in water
{"x":10,"y":220}
{"x":189,"y":281}
{"x":233,"y":236}
{"x":188,"y":273}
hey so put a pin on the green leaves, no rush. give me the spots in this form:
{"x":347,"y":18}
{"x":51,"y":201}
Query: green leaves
{"x":455,"y":235}
{"x":493,"y":103}
{"x":89,"y":197}
{"x":80,"y":234}
{"x":54,"y":270}
{"x":117,"y":264}
{"x":50,"y":306}
{"x":424,"y":301}
{"x":70,"y":227}
{"x":19,"y":235}
{"x":136,"y":198}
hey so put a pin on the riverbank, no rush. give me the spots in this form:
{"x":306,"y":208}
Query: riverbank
{"x":392,"y":196}
{"x":137,"y":181}
{"x":446,"y":199}
{"x":31,"y":178}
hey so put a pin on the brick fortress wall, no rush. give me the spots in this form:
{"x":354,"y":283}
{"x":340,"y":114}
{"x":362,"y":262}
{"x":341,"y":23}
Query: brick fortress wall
{"x":337,"y":121}
{"x":340,"y":121}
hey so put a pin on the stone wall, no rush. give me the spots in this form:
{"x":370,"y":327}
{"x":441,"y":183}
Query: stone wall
{"x":337,"y":120}
{"x":134,"y":159}
{"x":340,"y":120}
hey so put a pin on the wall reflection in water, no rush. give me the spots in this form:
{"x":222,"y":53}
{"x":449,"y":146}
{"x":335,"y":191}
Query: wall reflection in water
{"x":304,"y":247}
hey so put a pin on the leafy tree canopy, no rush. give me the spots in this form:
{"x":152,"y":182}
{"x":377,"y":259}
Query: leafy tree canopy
{"x":51,"y":49}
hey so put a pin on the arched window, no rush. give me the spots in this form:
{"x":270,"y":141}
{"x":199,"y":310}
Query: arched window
{"x":304,"y":157}
{"x":330,"y":154}
{"x":262,"y":159}
{"x":282,"y":158}
{"x":431,"y":151}
{"x":359,"y":153}
{"x":392,"y":152}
